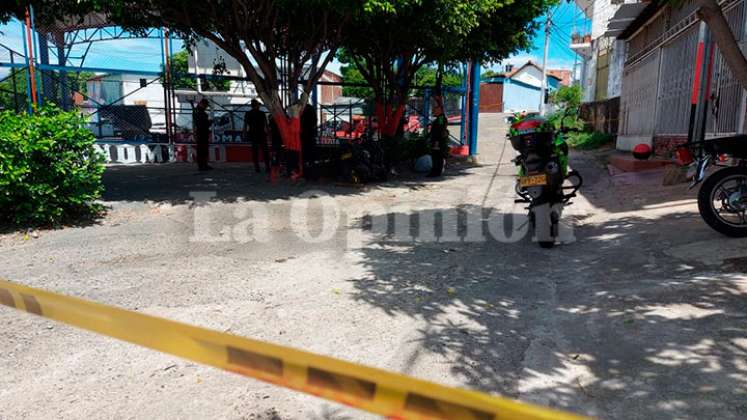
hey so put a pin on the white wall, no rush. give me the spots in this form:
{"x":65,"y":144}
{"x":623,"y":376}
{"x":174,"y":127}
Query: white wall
{"x":602,"y":11}
{"x":150,"y":96}
{"x":206,"y":54}
{"x":530,"y":75}
{"x":590,"y":78}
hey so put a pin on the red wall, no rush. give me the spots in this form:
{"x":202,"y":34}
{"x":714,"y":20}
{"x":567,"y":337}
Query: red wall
{"x":491,"y":97}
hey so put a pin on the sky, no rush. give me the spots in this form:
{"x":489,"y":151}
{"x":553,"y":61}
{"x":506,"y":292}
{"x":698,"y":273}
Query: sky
{"x":567,"y":18}
{"x":145,"y":54}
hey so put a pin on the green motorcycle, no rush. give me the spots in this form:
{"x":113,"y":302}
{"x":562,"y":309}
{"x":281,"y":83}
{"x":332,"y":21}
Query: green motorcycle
{"x":543,"y":171}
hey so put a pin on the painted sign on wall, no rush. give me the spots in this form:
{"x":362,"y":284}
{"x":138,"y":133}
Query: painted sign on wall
{"x":131,"y":153}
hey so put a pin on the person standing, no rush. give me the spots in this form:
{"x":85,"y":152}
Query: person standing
{"x":308,"y":142}
{"x":276,"y":142}
{"x":439,"y":139}
{"x":202,"y":134}
{"x":255,"y":129}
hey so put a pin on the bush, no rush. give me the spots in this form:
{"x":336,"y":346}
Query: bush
{"x":567,"y":99}
{"x":588,"y":141}
{"x":50,"y":172}
{"x":406,"y":149}
{"x":560,"y":120}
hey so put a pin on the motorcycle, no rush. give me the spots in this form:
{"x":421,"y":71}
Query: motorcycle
{"x":362,"y":160}
{"x":722,"y":199}
{"x":543,"y":173}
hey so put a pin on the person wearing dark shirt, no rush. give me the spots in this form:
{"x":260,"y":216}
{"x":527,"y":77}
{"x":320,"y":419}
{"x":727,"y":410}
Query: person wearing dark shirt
{"x":308,"y":142}
{"x":276,"y":141}
{"x":202,"y":134}
{"x":255,"y":129}
{"x":439,"y":139}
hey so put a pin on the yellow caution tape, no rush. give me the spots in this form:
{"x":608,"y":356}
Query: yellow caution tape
{"x":374,"y":390}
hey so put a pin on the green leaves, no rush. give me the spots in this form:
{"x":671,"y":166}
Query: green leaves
{"x":390,"y":41}
{"x":568,"y":100}
{"x":567,"y":96}
{"x":50,"y":171}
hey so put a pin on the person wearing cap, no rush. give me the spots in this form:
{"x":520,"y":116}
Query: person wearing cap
{"x":202,"y":134}
{"x":255,"y":130}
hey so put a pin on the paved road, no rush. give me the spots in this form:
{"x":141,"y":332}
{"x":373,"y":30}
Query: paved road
{"x":642,"y":316}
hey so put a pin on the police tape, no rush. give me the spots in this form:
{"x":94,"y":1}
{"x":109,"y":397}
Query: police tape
{"x":374,"y":390}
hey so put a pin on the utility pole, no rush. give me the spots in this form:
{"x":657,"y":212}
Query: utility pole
{"x":543,"y":93}
{"x":574,"y":79}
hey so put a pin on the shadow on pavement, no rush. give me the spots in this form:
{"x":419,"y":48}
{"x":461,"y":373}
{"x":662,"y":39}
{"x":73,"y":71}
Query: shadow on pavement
{"x":174,"y":182}
{"x":608,"y":326}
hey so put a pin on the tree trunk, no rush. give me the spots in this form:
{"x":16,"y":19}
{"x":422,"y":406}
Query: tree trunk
{"x":713,"y":16}
{"x":439,"y":80}
{"x":388,"y":117}
{"x":290,"y":130}
{"x":287,"y":119}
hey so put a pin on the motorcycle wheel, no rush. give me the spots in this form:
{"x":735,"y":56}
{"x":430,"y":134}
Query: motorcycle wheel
{"x":543,"y":225}
{"x":722,"y":204}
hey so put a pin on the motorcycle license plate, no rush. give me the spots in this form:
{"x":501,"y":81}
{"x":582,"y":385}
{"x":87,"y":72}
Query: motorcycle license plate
{"x":533,"y":180}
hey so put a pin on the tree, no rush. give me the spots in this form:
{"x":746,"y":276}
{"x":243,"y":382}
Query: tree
{"x":424,"y":77}
{"x":351,"y":75}
{"x":276,"y":42}
{"x":13,"y":88}
{"x":712,"y":14}
{"x":428,"y":76}
{"x":390,"y":44}
{"x":491,"y":74}
{"x":567,"y":97}
{"x":182,"y":79}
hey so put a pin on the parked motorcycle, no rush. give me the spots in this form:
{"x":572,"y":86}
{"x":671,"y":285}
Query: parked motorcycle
{"x":362,"y":160}
{"x":722,"y":199}
{"x":543,"y":171}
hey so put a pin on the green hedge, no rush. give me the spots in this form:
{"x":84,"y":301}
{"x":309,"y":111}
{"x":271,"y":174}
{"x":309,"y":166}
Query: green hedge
{"x":50,"y":172}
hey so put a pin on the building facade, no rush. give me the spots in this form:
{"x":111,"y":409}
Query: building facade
{"x":659,"y":76}
{"x":517,"y":89}
{"x":601,"y":55}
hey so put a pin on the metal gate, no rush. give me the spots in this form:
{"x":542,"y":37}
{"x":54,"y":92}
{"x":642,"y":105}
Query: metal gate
{"x":675,"y":88}
{"x":727,"y":95}
{"x":640,"y":82}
